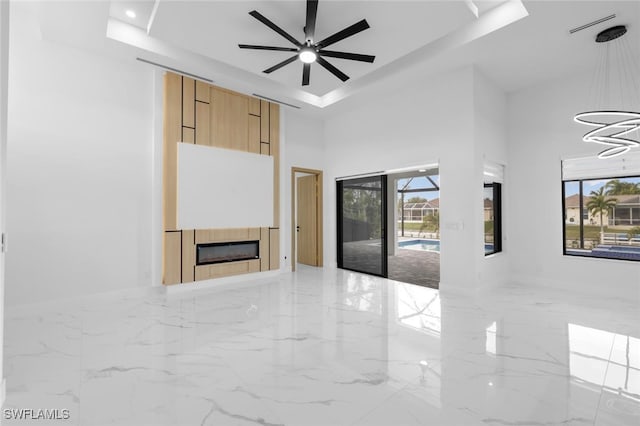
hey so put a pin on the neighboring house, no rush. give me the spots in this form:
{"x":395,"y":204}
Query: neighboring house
{"x":415,"y":212}
{"x":488,"y":210}
{"x":625,"y":213}
{"x":572,"y":211}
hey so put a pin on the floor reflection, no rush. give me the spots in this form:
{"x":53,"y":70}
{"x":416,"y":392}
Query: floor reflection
{"x":607,"y":364}
{"x":323,"y":347}
{"x":418,"y":307}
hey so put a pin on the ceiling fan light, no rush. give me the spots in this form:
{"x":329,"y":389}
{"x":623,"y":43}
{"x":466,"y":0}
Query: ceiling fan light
{"x":307,"y":55}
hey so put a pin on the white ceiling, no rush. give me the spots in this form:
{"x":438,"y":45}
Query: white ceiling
{"x":410,"y":39}
{"x":214,"y":29}
{"x":540,"y":48}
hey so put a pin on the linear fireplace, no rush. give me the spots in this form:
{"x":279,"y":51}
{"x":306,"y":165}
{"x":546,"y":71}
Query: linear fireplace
{"x":227,"y":252}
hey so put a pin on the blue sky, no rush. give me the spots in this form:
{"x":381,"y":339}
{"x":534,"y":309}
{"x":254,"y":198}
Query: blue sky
{"x":593,"y":185}
{"x":420,"y":182}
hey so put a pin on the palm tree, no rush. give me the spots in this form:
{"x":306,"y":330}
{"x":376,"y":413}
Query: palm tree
{"x":432,"y":222}
{"x":416,"y":200}
{"x":632,"y":233}
{"x":598,"y":204}
{"x":617,"y":187}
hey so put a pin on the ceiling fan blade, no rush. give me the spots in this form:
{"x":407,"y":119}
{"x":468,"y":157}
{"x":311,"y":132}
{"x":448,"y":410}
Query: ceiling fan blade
{"x":274,"y":27}
{"x":280,"y":65}
{"x":333,"y":70}
{"x":281,"y":49}
{"x":345,"y":55}
{"x":341,"y":35}
{"x":312,"y":13}
{"x":306,"y":71}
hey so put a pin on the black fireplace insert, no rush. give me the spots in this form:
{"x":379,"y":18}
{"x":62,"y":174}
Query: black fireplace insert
{"x":209,"y":253}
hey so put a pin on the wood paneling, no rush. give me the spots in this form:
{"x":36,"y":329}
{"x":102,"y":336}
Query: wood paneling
{"x":264,"y":121}
{"x":188,"y":255}
{"x":188,"y":102}
{"x":264,"y":249}
{"x":274,"y":249}
{"x":274,"y":147}
{"x":229,"y":120}
{"x":171,"y":266}
{"x":224,"y":235}
{"x":196,"y":112}
{"x":254,"y":134}
{"x":254,"y":106}
{"x":172,"y":133}
{"x":202,"y":91}
{"x":202,"y":134}
{"x":188,"y":135}
{"x":206,"y":272}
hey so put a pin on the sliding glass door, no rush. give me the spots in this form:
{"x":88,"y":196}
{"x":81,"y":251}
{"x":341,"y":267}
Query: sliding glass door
{"x":362,"y":234}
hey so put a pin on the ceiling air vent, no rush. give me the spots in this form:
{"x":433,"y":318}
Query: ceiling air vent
{"x":591,"y":24}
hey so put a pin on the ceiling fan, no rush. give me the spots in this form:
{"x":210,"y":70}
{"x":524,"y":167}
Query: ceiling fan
{"x":311,"y":51}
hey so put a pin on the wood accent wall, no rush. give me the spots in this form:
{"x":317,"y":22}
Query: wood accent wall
{"x":202,"y":114}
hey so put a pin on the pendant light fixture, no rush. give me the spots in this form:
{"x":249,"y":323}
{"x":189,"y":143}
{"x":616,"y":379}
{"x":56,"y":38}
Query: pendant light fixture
{"x":616,"y":119}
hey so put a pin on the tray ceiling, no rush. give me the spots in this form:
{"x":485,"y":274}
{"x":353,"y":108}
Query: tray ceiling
{"x":410,"y":39}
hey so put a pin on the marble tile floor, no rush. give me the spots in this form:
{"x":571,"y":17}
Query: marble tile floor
{"x":326,"y":347}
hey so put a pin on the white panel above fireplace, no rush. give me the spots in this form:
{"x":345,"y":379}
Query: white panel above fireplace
{"x":223,"y":188}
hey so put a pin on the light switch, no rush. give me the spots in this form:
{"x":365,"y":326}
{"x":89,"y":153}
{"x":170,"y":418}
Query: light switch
{"x":454,"y":226}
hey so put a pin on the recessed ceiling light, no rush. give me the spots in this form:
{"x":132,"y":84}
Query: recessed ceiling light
{"x":422,"y":170}
{"x":130,"y":13}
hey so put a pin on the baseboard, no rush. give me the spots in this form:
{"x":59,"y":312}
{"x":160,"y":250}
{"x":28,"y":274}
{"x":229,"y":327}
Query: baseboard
{"x":236,"y":281}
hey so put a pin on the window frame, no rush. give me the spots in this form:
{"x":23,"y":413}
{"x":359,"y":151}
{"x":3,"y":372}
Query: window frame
{"x":581,"y":222}
{"x":497,"y":218}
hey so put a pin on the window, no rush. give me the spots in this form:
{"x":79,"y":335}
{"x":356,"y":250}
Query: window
{"x":609,"y":226}
{"x":609,"y":191}
{"x":492,"y":218}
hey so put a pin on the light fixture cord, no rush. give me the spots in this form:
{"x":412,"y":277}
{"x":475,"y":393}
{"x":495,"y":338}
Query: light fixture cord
{"x":632,"y":71}
{"x":634,"y":77}
{"x":607,"y":77}
{"x":595,"y":99}
{"x":619,"y":62}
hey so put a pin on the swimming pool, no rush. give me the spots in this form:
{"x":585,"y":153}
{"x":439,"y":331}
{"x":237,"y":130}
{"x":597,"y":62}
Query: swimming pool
{"x":617,"y":252}
{"x":422,"y":245}
{"x":431,"y":245}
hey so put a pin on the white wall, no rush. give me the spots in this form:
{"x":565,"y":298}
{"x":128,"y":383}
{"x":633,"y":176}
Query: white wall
{"x":80,"y":169}
{"x":541,"y":132}
{"x":426,"y":123}
{"x":490,"y":119}
{"x":304,"y":147}
{"x":4,"y":79}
